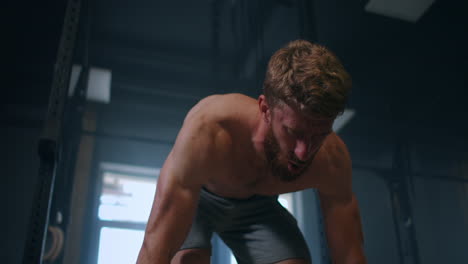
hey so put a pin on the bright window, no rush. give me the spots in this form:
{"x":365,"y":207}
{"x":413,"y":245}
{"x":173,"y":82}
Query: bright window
{"x":125,"y":202}
{"x":119,"y":246}
{"x":126,"y":198}
{"x":286,"y":200}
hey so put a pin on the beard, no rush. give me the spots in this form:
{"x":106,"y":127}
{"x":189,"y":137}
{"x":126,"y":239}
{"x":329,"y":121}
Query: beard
{"x":277,"y":162}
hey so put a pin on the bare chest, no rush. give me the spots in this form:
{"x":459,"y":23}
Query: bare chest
{"x":241,"y":179}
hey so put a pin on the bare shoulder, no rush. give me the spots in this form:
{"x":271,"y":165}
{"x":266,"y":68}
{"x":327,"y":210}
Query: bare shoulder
{"x":338,"y":178}
{"x":337,"y":152}
{"x":211,"y":112}
{"x":221,"y":106}
{"x":204,"y":129}
{"x":201,"y":145}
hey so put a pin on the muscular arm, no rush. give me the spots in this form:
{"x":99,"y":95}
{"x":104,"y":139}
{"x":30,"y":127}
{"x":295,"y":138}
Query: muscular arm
{"x":343,"y":228}
{"x":184,"y":172}
{"x":340,"y":208}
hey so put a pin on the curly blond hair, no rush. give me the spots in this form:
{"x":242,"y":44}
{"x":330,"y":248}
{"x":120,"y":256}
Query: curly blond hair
{"x":309,"y":76}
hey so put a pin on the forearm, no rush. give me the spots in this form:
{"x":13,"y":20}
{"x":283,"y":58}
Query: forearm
{"x":148,"y":254}
{"x":162,"y":242}
{"x":355,"y":255}
{"x":344,"y":233}
{"x":168,"y":225}
{"x":347,"y":252}
{"x":155,"y":252}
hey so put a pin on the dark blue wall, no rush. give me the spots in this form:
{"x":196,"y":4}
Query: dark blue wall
{"x":20,"y":165}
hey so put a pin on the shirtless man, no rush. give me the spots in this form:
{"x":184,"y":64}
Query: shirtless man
{"x":234,"y":155}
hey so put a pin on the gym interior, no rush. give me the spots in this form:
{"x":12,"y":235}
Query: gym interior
{"x":95,"y":93}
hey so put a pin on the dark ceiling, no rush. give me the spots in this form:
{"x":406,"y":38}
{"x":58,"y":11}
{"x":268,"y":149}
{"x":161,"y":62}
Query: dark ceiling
{"x":185,"y":50}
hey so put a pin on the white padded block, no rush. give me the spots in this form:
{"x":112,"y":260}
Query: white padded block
{"x":99,"y":83}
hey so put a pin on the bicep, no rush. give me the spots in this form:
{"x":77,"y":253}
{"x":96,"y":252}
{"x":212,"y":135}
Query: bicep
{"x":174,"y":195}
{"x":184,"y":171}
{"x":339,"y":205}
{"x":340,"y":208}
{"x":179,"y":184}
{"x":173,"y":209}
{"x":170,"y":219}
{"x":343,"y":226}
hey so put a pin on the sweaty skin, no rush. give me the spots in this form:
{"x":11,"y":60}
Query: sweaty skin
{"x":222,"y":146}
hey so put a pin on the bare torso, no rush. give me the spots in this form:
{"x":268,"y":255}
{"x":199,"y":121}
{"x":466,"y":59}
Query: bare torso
{"x":241,"y":174}
{"x":220,"y":148}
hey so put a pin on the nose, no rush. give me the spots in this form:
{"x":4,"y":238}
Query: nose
{"x":301,"y":150}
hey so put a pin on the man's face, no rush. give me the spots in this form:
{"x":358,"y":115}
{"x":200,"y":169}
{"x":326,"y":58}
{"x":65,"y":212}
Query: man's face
{"x":292,"y":140}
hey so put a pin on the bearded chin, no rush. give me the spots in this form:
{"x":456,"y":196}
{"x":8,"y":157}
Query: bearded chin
{"x":272,"y":154}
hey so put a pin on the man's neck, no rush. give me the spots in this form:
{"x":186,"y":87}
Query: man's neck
{"x":259,"y":129}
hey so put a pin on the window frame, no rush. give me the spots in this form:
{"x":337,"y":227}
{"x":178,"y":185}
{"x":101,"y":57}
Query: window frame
{"x":96,"y":224}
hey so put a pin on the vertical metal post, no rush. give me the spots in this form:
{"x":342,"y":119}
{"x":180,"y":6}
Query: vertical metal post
{"x":48,"y":149}
{"x":399,"y":186}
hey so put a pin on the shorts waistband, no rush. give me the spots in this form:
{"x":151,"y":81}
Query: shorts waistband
{"x":206,"y":192}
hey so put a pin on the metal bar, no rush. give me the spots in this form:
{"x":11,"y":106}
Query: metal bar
{"x":392,"y":186}
{"x":48,"y":144}
{"x":401,"y":203}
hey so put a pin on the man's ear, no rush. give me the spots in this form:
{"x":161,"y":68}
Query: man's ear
{"x":264,"y":108}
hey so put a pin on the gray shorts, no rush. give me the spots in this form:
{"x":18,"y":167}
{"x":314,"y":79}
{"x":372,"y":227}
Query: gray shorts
{"x":258,"y":230}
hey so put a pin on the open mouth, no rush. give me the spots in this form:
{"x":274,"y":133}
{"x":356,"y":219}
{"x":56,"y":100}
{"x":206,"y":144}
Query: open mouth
{"x":294,"y":167}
